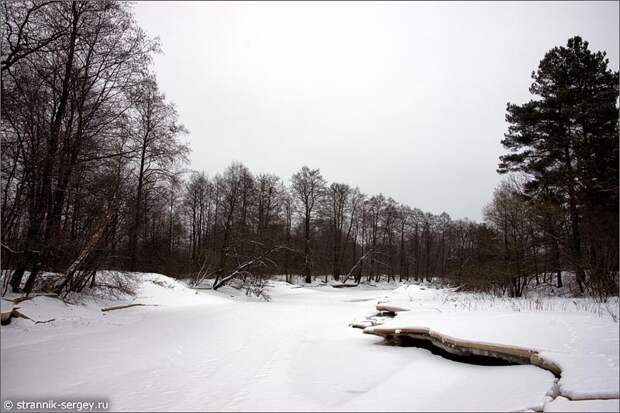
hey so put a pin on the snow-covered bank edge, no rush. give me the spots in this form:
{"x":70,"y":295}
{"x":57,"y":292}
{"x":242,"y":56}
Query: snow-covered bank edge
{"x":142,"y":292}
{"x":466,"y":348}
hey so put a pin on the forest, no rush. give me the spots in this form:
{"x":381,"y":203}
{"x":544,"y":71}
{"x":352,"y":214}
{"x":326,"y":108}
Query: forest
{"x":95,"y":175}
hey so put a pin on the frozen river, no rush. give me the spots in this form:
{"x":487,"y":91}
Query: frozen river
{"x":295,"y":352}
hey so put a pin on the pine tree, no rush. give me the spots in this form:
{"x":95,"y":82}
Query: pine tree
{"x":566,"y":141}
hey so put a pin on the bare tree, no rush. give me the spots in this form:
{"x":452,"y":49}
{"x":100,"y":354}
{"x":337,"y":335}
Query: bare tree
{"x":155,"y":132}
{"x":308,"y":186}
{"x":338,"y":195}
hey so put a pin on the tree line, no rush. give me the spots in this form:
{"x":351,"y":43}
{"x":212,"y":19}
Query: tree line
{"x":87,"y":138}
{"x":94,"y":176}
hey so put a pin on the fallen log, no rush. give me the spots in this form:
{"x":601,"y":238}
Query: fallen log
{"x":119,"y":307}
{"x":7,"y":316}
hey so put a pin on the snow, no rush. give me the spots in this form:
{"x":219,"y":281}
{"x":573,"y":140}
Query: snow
{"x":203,"y":351}
{"x":581,"y":338}
{"x":196,"y":350}
{"x":562,"y":404}
{"x":442,"y":385}
{"x":6,"y":306}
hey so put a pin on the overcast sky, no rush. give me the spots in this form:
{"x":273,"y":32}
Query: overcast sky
{"x":407,"y":99}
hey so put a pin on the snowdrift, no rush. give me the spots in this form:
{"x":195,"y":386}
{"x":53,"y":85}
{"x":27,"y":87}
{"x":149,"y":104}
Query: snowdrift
{"x":145,"y":291}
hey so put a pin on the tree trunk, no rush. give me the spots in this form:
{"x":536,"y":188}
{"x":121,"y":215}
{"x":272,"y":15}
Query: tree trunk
{"x":133,"y":240}
{"x":307,"y":249}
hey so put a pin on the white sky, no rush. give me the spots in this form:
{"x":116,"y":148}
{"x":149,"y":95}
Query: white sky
{"x":407,"y":99}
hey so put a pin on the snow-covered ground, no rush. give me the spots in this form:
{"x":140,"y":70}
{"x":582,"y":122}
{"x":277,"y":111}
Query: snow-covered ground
{"x":580,"y":336}
{"x":204,"y":350}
